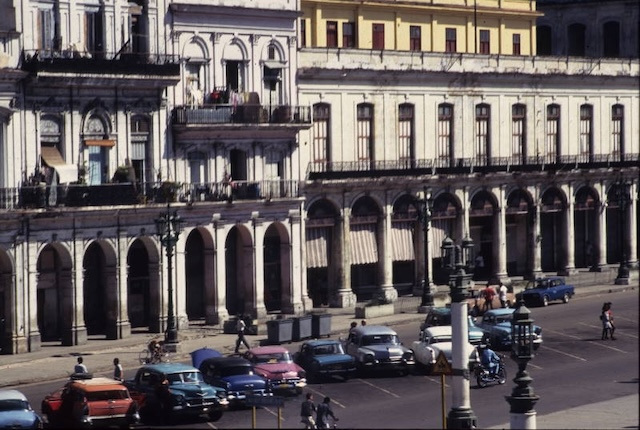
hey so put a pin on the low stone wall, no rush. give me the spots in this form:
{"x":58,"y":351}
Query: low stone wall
{"x":374,"y":311}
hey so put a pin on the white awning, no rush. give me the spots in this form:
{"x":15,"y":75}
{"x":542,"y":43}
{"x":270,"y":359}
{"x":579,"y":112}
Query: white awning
{"x":66,"y":172}
{"x":402,"y":242}
{"x":364,"y":247}
{"x":317,"y":243}
{"x":274,"y":64}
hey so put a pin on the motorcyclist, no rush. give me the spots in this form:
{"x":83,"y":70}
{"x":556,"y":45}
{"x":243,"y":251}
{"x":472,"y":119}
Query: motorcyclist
{"x":489,"y":359}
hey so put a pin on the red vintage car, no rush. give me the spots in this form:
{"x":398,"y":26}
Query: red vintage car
{"x":276,"y":365}
{"x":85,"y":401}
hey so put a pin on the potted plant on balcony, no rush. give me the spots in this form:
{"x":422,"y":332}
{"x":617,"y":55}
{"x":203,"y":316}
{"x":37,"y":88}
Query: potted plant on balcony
{"x":167,"y":192}
{"x":376,"y":307}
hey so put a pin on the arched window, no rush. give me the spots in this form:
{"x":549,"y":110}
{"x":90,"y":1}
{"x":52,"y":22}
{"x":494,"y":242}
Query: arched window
{"x":96,"y":138}
{"x":576,"y":40}
{"x":611,"y":39}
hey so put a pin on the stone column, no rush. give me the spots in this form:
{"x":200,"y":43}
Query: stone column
{"x":569,"y":243}
{"x":500,"y":247}
{"x":72,"y":279}
{"x":19,"y":284}
{"x":293,"y":278}
{"x":180,"y":282}
{"x":385,"y":257}
{"x":633,"y":227}
{"x":123,"y":325}
{"x":260,"y":311}
{"x":217,"y":312}
{"x":537,"y":241}
{"x":33,"y":331}
{"x":344,"y":296}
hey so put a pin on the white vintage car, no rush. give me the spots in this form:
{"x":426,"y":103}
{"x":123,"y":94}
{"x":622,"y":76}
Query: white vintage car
{"x":434,"y":340}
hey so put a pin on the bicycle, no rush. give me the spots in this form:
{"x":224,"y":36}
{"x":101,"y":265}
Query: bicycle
{"x":154,"y":353}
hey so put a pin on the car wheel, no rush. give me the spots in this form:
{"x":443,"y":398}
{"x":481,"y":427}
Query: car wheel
{"x":565,"y":298}
{"x":545,"y":300}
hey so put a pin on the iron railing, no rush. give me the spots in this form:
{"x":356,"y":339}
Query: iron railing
{"x":241,"y":114}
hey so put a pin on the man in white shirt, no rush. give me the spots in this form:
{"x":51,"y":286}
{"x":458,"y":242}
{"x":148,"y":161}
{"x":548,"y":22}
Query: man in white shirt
{"x":502,"y":294}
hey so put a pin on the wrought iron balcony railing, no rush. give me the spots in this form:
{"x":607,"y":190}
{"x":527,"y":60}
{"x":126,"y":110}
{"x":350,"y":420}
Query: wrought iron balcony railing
{"x":210,"y":114}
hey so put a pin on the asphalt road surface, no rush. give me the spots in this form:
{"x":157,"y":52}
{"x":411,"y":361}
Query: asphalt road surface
{"x":573,"y":367}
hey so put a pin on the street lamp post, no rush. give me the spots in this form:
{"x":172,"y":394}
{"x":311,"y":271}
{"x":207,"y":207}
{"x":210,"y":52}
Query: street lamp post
{"x":522,"y":398}
{"x":424,"y":204}
{"x":168,"y":226}
{"x":459,"y":262}
{"x":622,"y":192}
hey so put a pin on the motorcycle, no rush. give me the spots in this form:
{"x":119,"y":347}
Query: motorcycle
{"x":484,"y":378}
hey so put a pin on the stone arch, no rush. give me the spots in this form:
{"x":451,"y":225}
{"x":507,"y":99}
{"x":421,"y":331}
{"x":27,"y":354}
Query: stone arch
{"x":364,"y":236}
{"x":235,"y":50}
{"x":7,"y":310}
{"x":101,"y":301}
{"x":586,"y":226}
{"x":520,"y":214}
{"x":199,"y":274}
{"x":446,"y":221}
{"x":406,"y":237}
{"x":483,"y":212}
{"x":617,"y":216}
{"x":143,"y":285}
{"x":240,"y":297}
{"x":552,"y":229}
{"x":322,"y":241}
{"x":277,"y":268}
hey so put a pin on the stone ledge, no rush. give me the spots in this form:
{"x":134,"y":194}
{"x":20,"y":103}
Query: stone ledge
{"x":374,"y":311}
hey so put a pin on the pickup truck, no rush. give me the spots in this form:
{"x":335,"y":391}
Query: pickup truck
{"x":541,"y":291}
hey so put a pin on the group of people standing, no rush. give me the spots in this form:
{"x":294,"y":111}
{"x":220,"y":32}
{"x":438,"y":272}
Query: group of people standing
{"x":323,"y":411}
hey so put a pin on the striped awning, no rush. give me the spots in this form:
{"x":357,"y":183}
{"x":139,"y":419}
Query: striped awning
{"x":402,"y":242}
{"x":317,"y":246}
{"x":364,"y":247}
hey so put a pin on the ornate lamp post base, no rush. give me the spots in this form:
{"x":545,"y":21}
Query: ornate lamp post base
{"x":461,"y":418}
{"x":623,"y":275}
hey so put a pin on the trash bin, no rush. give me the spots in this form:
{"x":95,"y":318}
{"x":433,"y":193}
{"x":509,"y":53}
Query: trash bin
{"x":279,"y":331}
{"x":302,"y":328}
{"x":321,"y":325}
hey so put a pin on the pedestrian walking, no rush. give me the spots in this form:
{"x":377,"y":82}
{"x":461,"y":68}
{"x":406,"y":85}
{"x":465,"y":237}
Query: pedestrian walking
{"x":117,"y":369}
{"x":323,"y":412}
{"x":502,"y":294}
{"x":80,"y":366}
{"x":306,"y":412}
{"x":607,"y":322}
{"x":363,"y":323}
{"x":488,"y":293}
{"x":241,"y":327}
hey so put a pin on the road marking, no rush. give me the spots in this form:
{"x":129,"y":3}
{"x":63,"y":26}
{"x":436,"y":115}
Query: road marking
{"x":533,"y":365}
{"x":617,"y":330}
{"x":275,"y":414}
{"x":210,"y":424}
{"x":379,"y":388}
{"x":564,"y":353}
{"x":436,"y":381}
{"x":319,"y":393}
{"x":590,"y":341}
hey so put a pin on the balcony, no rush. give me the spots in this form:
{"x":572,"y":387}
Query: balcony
{"x":43,"y":196}
{"x":452,"y":166}
{"x":228,"y":114}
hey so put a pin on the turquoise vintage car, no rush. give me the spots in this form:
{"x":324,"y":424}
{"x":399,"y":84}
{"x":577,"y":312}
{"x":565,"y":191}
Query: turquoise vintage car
{"x":496,"y":325}
{"x":324,"y":358}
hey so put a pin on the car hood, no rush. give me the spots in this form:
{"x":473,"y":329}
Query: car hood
{"x":333,"y":359}
{"x":241,"y":382}
{"x":195,"y":390}
{"x":506,"y":327}
{"x":17,"y":419}
{"x":278,"y":370}
{"x":384,"y":351}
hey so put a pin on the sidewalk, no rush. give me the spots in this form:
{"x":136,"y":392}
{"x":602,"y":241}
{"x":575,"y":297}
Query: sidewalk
{"x":54,"y":361}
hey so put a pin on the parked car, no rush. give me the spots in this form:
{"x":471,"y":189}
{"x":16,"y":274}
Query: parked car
{"x":433,"y":341}
{"x":322,"y":358}
{"x":376,"y":347}
{"x":496,"y":325}
{"x":186,"y":393}
{"x":276,"y":365}
{"x":236,"y":376}
{"x":16,"y":411}
{"x":85,"y":401}
{"x":441,"y":316}
{"x":541,"y":291}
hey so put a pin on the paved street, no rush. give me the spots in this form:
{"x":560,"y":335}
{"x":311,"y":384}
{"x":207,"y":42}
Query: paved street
{"x":573,"y":369}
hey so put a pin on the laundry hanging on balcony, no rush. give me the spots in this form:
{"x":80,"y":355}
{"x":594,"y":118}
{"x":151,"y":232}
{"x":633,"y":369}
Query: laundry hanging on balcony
{"x":66,"y":172}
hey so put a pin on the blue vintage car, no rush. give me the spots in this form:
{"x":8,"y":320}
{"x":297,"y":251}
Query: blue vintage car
{"x":16,"y":412}
{"x":186,"y":393}
{"x":236,"y":376}
{"x":541,"y":291}
{"x":496,"y":325}
{"x":322,"y":358}
{"x":377,"y":347}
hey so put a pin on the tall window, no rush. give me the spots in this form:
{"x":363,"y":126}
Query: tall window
{"x":586,"y":130}
{"x":611,"y":42}
{"x":552,"y":143}
{"x":197,"y":167}
{"x":332,"y":34}
{"x":405,"y":131}
{"x":45,"y":29}
{"x":93,"y":32}
{"x":303,"y":33}
{"x":543,"y":41}
{"x":485,"y":42}
{"x":482,"y":133}
{"x":516,"y":44}
{"x":415,"y":38}
{"x":518,"y":133}
{"x":234,"y":73}
{"x":576,"y":40}
{"x":140,"y":136}
{"x":445,"y":131}
{"x":450,"y":40}
{"x":365,"y":132}
{"x":617,"y":127}
{"x":378,"y":36}
{"x":348,"y":34}
{"x":321,"y":136}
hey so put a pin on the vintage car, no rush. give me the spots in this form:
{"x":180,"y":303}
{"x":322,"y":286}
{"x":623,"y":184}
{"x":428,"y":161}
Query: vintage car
{"x":85,"y":401}
{"x":236,"y":376}
{"x":541,"y":291}
{"x":441,"y":316}
{"x":323,"y":358}
{"x":170,"y":390}
{"x":496,"y":325}
{"x":433,"y":341}
{"x":16,"y":411}
{"x":276,"y":365}
{"x":376,"y":347}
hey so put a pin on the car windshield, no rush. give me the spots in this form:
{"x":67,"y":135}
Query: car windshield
{"x":503,"y":318}
{"x":334,"y":348}
{"x":438,"y":339}
{"x":380,"y":339}
{"x":276,"y":357}
{"x":185,"y":378}
{"x":443,"y":319}
{"x":13,"y":405}
{"x":96,"y":396}
{"x":236,"y":370}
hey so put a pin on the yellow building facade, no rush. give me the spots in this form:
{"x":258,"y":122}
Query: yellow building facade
{"x":505,"y":27}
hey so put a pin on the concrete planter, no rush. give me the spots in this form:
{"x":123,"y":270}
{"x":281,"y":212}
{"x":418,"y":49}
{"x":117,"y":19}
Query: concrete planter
{"x":374,"y":311}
